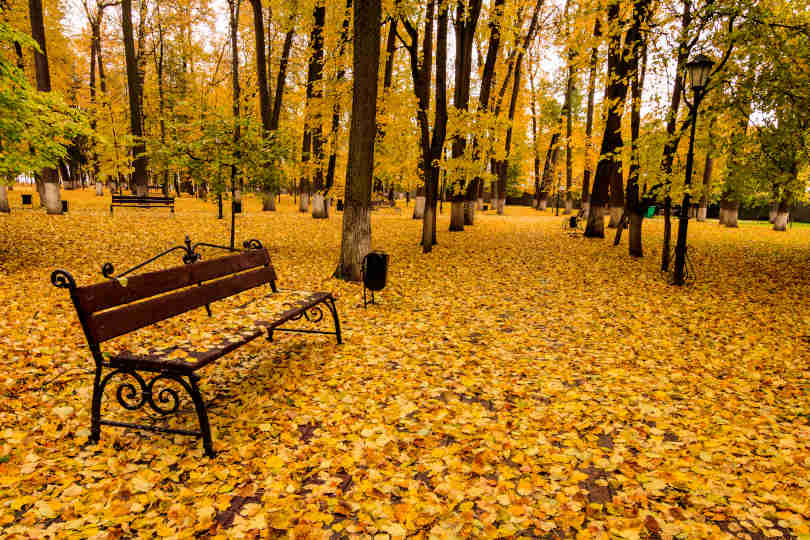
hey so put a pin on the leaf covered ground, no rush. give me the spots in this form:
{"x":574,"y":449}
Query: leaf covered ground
{"x":514,"y":382}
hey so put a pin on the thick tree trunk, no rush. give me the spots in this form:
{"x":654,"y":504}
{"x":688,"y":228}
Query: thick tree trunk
{"x":608,"y":178}
{"x":465,"y":23}
{"x":457,"y":216}
{"x":4,"y":207}
{"x":268,"y":201}
{"x":49,"y":189}
{"x":99,"y":188}
{"x":469,"y":212}
{"x":140,"y":161}
{"x":303,"y":202}
{"x":732,"y":212}
{"x":773,"y":211}
{"x":313,"y":132}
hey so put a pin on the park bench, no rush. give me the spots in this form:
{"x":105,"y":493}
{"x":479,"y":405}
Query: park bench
{"x":120,"y":306}
{"x":136,"y":201}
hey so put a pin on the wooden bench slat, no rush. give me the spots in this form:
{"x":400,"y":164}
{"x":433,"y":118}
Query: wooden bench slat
{"x":108,"y":294}
{"x":119,"y":321}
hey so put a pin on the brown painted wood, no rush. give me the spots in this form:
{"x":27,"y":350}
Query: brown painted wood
{"x":108,"y":294}
{"x":116,"y":322}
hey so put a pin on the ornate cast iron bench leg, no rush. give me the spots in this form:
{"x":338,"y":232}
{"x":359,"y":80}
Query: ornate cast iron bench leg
{"x":165,"y":401}
{"x":315,"y":317}
{"x":333,"y":309}
{"x":202,"y":415}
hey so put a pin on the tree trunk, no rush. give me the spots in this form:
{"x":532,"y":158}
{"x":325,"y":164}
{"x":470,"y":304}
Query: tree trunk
{"x":516,"y":68}
{"x":419,"y":207}
{"x":282,"y":77}
{"x":707,"y":179}
{"x":488,"y":76}
{"x":439,"y":132}
{"x":49,"y":190}
{"x":319,"y":210}
{"x":732,"y":211}
{"x":586,"y":174}
{"x":773,"y":211}
{"x":99,"y":188}
{"x":4,"y":207}
{"x":465,"y":23}
{"x":303,"y":202}
{"x":569,"y":123}
{"x":782,"y":214}
{"x":356,"y":240}
{"x":608,"y":178}
{"x":140,"y":162}
{"x":313,"y":136}
{"x":457,"y":216}
{"x":469,"y":212}
{"x":638,"y":72}
{"x":268,"y":201}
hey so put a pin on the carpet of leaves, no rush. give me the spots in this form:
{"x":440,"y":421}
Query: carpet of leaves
{"x":516,"y":382}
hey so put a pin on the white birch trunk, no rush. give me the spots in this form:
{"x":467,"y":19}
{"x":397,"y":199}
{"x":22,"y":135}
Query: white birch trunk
{"x":780,"y":221}
{"x":319,"y":206}
{"x":52,"y":202}
{"x":419,"y":208}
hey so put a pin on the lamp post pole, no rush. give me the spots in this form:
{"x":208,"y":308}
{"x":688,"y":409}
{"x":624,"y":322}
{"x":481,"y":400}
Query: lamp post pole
{"x":683,"y":221}
{"x":699,"y":71}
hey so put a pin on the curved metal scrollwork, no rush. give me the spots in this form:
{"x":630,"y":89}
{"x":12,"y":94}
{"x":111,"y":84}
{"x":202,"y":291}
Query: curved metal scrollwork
{"x":62,"y":279}
{"x":165,"y":395}
{"x":107,"y":269}
{"x":252,"y":244}
{"x":134,"y":395}
{"x":313,"y":314}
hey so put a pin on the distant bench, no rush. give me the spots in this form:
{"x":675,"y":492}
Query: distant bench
{"x":136,"y":201}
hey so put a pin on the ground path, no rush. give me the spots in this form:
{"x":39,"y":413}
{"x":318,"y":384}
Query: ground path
{"x":515,"y":381}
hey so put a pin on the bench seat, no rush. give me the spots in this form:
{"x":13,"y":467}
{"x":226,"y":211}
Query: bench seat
{"x":190,"y":350}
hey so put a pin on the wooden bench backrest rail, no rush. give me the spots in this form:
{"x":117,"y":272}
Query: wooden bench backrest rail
{"x":111,"y":309}
{"x":137,"y":198}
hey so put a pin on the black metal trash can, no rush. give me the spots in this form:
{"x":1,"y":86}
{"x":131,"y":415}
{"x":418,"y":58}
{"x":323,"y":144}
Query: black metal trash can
{"x":572,"y":222}
{"x":375,"y":273}
{"x":236,"y":207}
{"x":27,"y":200}
{"x":64,"y":206}
{"x":340,"y":205}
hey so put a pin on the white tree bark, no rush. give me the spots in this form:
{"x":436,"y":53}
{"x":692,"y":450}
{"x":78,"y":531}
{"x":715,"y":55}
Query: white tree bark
{"x":702,"y":212}
{"x":419,"y":207}
{"x":780,"y":221}
{"x":319,"y":210}
{"x":99,"y":189}
{"x":52,"y":202}
{"x":615,"y":216}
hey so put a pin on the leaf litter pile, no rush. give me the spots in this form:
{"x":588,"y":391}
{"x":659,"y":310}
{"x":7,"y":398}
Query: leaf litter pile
{"x":516,"y":382}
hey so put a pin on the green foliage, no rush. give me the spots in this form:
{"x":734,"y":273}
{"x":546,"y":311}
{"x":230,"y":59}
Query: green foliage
{"x":35,"y":127}
{"x":207,"y":150}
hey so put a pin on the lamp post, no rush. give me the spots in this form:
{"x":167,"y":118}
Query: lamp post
{"x":698,"y":71}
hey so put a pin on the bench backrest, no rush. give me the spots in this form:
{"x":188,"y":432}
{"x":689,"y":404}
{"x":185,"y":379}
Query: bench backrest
{"x":114,"y":308}
{"x":138,"y":198}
